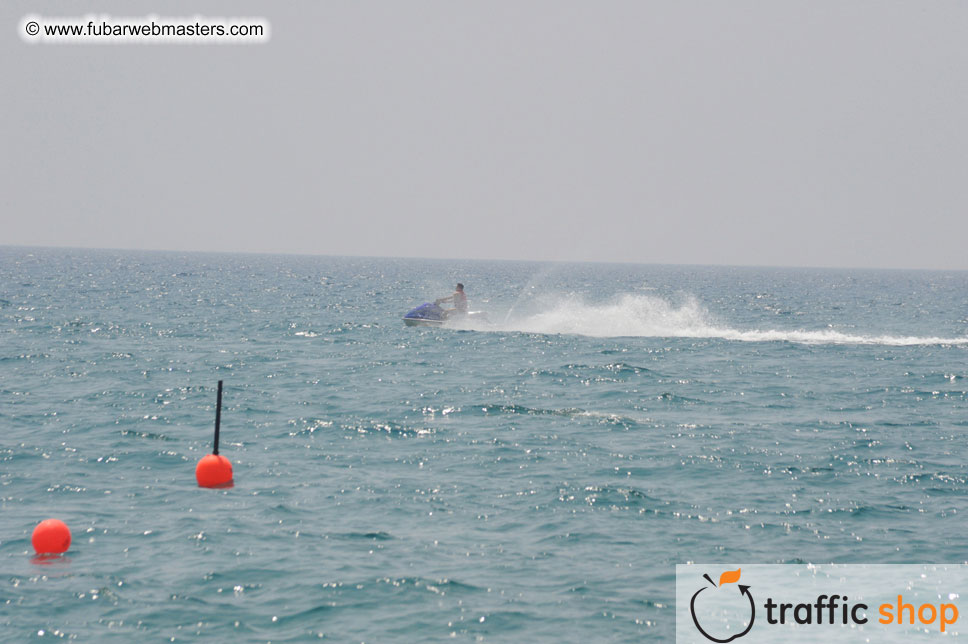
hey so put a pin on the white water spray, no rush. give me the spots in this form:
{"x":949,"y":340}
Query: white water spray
{"x":650,"y":316}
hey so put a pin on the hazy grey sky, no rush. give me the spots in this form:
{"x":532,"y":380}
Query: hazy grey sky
{"x":774,"y":133}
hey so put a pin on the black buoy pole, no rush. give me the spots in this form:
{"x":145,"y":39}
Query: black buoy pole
{"x":218,"y":416}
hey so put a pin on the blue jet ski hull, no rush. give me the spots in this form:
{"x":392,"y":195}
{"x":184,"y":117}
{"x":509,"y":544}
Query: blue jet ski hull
{"x":427,"y":314}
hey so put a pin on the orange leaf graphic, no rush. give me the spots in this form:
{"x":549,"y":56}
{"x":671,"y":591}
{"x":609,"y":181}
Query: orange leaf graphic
{"x":729,"y":577}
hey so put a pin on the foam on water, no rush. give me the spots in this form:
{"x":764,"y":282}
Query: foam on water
{"x":650,"y":316}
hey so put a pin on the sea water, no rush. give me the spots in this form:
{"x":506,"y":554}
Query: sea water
{"x":531,"y":479}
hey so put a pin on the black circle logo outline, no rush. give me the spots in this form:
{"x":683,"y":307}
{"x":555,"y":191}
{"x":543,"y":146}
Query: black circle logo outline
{"x":745,"y":590}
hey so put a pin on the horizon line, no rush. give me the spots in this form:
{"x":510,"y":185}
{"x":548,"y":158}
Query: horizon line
{"x":474,"y":259}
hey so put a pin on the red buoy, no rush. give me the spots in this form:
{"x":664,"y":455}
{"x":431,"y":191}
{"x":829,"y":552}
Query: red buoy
{"x":214,"y":470}
{"x":51,"y":536}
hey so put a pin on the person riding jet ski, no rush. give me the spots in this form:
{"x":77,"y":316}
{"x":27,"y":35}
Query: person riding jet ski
{"x":431,"y":314}
{"x":458,"y":298}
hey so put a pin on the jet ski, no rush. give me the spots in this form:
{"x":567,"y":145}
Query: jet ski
{"x":427,"y":314}
{"x":430,"y":314}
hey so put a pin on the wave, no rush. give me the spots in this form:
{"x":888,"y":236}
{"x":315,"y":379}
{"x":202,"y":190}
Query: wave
{"x":653,"y":317}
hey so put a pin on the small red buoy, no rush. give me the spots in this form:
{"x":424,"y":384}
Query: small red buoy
{"x":51,"y":536}
{"x":213,"y":470}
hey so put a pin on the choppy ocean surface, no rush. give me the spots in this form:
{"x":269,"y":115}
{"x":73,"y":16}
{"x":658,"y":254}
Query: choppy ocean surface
{"x":532,"y":480}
